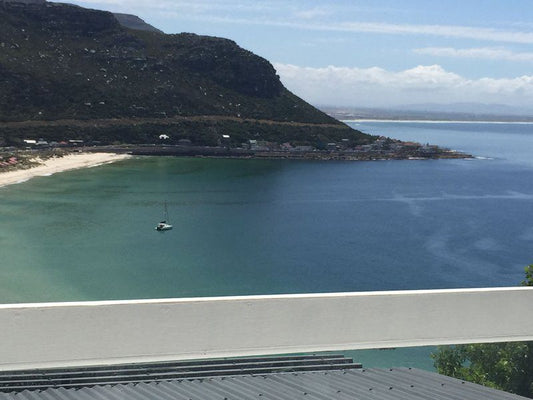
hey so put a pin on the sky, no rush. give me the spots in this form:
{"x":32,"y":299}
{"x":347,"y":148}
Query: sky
{"x":370,"y":53}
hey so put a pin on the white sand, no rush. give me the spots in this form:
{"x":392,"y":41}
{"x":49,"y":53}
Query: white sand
{"x":59,"y":164}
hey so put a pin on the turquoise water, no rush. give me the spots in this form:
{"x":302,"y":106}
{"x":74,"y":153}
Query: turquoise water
{"x":261,"y":226}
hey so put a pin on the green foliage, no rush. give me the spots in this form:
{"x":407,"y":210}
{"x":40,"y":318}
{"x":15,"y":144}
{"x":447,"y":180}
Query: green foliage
{"x":529,"y":276}
{"x":505,"y":366}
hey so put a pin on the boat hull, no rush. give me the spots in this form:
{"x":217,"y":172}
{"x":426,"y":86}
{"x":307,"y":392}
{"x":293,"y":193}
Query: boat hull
{"x":163,"y":227}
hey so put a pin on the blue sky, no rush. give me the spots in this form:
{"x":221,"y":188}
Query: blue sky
{"x":379,"y":53}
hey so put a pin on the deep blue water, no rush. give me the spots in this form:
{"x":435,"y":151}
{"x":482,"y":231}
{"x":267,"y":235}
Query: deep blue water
{"x":262,"y":226}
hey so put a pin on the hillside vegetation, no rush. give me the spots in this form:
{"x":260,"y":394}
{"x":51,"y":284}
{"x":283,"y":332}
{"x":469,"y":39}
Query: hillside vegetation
{"x":63,"y":62}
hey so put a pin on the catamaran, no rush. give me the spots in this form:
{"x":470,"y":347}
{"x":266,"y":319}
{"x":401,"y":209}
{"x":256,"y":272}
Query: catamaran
{"x":164,"y":225}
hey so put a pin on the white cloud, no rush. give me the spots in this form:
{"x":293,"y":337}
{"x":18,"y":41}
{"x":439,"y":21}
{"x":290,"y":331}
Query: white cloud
{"x":492,"y":53}
{"x":376,"y":87}
{"x":456,"y":31}
{"x":313,"y":13}
{"x":450,"y":31}
{"x":463,"y":32}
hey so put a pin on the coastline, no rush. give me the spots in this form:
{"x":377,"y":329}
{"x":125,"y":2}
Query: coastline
{"x":59,"y":164}
{"x":91,"y":157}
{"x":436,"y":121}
{"x":418,"y":152}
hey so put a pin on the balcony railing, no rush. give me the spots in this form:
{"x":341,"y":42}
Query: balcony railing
{"x":109,"y":332}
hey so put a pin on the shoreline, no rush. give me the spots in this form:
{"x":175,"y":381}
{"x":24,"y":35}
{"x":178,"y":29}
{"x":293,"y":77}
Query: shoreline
{"x":417,"y":153}
{"x":59,"y":164}
{"x":436,"y":121}
{"x":91,"y":157}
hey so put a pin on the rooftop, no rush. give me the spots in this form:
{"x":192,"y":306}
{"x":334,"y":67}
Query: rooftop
{"x":281,"y":378}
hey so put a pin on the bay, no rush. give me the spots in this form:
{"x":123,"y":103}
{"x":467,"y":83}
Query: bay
{"x":270,"y":226}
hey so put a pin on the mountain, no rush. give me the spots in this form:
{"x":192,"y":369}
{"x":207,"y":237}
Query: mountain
{"x":134,"y":22}
{"x":71,"y":72}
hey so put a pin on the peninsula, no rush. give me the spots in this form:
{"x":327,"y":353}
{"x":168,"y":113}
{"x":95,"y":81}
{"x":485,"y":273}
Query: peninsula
{"x":74,"y":77}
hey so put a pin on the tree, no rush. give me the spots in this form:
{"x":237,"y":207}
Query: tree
{"x":505,"y":366}
{"x":529,"y":276}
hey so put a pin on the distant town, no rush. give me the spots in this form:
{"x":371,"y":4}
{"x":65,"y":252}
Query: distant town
{"x":383,"y":148}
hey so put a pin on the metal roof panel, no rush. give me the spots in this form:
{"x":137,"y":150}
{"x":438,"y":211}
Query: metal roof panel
{"x":284,"y":383}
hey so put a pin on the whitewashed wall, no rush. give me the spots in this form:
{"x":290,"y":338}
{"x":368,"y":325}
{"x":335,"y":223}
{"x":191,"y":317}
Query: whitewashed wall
{"x":70,"y":334}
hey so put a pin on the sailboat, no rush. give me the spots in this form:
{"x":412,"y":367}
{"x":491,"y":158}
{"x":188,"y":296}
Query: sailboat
{"x":164,"y":225}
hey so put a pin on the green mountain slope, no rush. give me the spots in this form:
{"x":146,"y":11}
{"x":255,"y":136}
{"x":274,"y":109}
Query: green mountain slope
{"x":63,"y":62}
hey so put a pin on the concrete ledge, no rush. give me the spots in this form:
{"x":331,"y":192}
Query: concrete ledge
{"x":108,"y":332}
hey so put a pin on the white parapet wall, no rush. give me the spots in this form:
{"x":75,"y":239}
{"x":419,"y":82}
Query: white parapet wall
{"x":110,"y":332}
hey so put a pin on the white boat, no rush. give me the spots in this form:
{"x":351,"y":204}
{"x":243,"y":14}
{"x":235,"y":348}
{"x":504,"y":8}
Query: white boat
{"x":164,"y":225}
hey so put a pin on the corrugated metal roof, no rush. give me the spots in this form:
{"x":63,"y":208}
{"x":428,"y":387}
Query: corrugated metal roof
{"x":165,"y":371}
{"x":341,"y":384}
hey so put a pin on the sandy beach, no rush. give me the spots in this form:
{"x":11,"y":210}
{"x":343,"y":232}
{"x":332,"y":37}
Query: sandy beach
{"x":59,"y":164}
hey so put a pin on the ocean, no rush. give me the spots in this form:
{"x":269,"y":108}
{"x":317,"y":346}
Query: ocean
{"x":275,"y":226}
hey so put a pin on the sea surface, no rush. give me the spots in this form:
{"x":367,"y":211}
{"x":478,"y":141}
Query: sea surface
{"x":269,"y":226}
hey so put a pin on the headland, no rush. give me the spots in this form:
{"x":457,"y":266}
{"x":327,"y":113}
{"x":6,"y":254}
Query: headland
{"x":74,"y":78}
